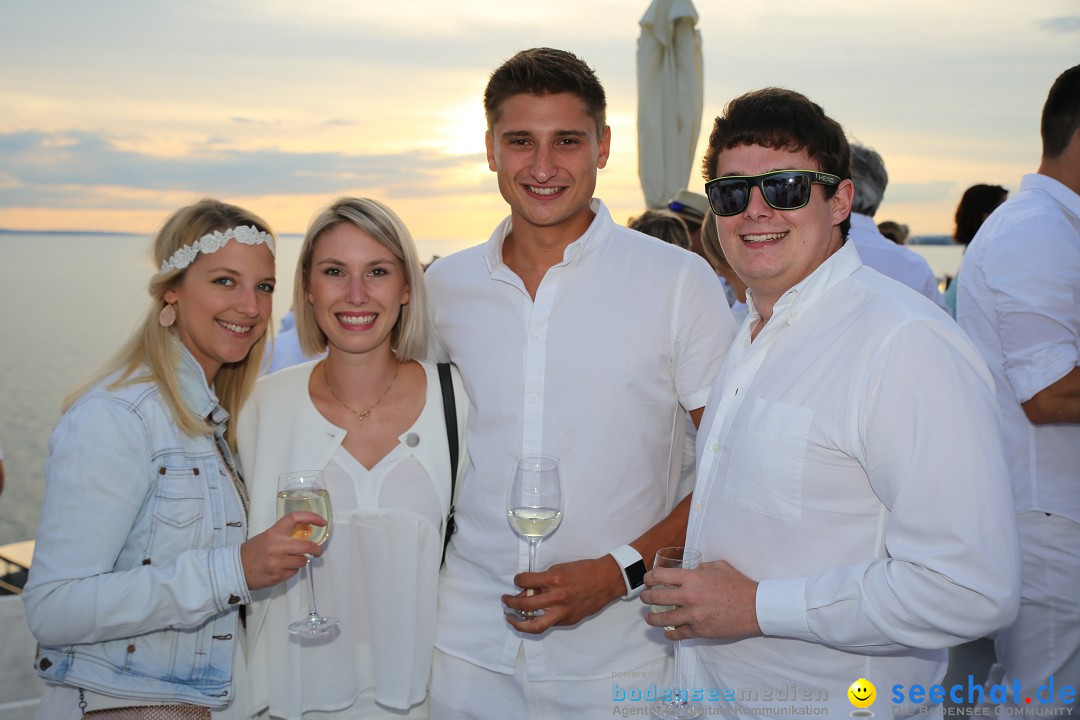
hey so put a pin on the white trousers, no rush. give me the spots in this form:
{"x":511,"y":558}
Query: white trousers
{"x":1044,"y":641}
{"x":463,"y":691}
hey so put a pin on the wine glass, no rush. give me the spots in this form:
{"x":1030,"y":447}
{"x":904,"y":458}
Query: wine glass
{"x":534,"y":507}
{"x":305,"y":490}
{"x":679,"y":706}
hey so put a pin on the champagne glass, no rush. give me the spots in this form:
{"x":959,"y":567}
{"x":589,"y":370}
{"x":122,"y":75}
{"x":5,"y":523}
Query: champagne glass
{"x":679,"y":706}
{"x":306,"y":490}
{"x":534,"y":506}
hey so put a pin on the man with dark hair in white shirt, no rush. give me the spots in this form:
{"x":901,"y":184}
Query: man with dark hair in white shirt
{"x":1019,"y":300}
{"x":577,"y":338}
{"x":852,"y":504}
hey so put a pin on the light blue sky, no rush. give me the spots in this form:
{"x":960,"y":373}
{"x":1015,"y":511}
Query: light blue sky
{"x":113,"y":113}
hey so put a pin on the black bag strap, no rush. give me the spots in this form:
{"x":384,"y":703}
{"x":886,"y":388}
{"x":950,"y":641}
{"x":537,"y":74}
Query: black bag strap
{"x":450,"y":410}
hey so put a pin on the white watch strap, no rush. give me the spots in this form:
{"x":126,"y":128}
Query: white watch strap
{"x":626,"y":556}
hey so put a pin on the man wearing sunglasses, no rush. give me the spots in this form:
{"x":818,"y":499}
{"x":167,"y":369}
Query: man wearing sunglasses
{"x":852,"y":503}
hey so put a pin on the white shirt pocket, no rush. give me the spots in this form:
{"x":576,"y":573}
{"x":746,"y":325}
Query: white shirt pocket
{"x":766,"y":469}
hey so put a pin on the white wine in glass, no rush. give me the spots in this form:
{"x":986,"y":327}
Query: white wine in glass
{"x":305,"y":490}
{"x":534,"y":506}
{"x":678,"y":706}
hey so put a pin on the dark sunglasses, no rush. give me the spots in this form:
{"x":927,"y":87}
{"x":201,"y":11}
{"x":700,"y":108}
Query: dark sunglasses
{"x":782,"y":189}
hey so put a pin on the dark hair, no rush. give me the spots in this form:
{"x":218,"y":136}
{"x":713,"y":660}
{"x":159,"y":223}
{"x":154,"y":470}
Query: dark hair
{"x":1061,"y":113}
{"x":784,"y":120}
{"x":662,"y":224}
{"x":544,"y":71}
{"x":975,"y":206}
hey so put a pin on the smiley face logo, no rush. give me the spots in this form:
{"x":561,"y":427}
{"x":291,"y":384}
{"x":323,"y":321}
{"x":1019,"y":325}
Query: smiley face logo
{"x":862,"y":693}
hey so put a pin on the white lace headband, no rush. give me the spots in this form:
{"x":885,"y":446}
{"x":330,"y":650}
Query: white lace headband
{"x":211,"y":243}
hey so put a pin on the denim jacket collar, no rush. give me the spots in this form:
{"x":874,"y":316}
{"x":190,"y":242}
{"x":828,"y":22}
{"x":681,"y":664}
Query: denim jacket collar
{"x":197,"y":394}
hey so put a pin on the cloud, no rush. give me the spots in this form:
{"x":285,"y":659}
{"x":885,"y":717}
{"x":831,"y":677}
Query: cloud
{"x":1060,"y":25}
{"x":42,"y":169}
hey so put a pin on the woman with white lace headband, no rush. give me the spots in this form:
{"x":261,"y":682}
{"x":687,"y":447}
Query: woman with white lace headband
{"x":141,"y":565}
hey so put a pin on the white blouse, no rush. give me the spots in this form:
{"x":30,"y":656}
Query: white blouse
{"x":368,"y":578}
{"x":378,"y":575}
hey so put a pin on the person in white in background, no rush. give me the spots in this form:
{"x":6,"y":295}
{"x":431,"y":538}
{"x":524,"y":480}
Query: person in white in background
{"x":852,"y":502}
{"x":371,"y":417}
{"x":1,"y":471}
{"x":1019,"y":300}
{"x":284,"y":350}
{"x":875,"y":250}
{"x":582,"y":339}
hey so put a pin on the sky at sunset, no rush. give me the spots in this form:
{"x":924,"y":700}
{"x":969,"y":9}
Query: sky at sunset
{"x":113,"y":113}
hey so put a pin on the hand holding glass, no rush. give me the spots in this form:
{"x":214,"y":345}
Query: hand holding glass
{"x":534,"y":506}
{"x":305,"y":490}
{"x":679,"y":706}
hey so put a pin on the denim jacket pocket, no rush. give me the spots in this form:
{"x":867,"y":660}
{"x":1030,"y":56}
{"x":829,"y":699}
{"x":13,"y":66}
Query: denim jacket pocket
{"x":179,"y":505}
{"x":766,"y":470}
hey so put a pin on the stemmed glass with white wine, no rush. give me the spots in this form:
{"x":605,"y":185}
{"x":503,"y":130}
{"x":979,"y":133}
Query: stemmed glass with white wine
{"x":306,"y":490}
{"x":534,"y":506}
{"x":678,"y":706}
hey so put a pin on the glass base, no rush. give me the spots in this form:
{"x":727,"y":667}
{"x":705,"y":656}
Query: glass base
{"x":524,"y":614}
{"x":677,"y":710}
{"x":313,"y":626}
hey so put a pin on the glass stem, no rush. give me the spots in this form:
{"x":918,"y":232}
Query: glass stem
{"x":676,"y":692}
{"x":532,"y":554}
{"x":314,"y":613}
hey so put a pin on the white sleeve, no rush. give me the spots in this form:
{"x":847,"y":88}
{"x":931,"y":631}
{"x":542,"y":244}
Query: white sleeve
{"x":704,"y":329}
{"x":1033,"y":278}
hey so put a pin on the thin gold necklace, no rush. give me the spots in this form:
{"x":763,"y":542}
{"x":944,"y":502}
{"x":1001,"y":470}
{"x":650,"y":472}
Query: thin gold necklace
{"x":361,"y":415}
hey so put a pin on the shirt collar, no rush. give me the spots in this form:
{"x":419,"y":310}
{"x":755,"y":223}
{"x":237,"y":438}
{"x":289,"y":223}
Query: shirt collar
{"x":800,"y":297}
{"x":1058,"y":191}
{"x":196,"y":393}
{"x":593,"y":236}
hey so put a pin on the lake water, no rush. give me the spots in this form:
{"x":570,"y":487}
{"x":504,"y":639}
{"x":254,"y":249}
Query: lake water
{"x":67,"y":302}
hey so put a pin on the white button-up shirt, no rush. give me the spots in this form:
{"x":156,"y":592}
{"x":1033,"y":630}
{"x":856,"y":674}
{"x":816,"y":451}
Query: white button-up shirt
{"x":1019,"y":300}
{"x":896,"y":261}
{"x":849,"y":460}
{"x":623,"y":335}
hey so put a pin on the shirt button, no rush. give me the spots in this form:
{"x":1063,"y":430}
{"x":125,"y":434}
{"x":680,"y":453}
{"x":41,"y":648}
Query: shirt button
{"x":233,"y":599}
{"x":715,"y":448}
{"x":412,"y":439}
{"x":533,"y":399}
{"x":697,"y":507}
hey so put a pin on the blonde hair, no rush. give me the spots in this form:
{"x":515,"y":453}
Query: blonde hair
{"x":151,"y":346}
{"x":409,"y":335}
{"x":710,"y":243}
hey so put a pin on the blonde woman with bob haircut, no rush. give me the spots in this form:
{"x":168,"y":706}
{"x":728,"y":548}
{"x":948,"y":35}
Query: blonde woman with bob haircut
{"x":140,"y":566}
{"x":371,"y":417}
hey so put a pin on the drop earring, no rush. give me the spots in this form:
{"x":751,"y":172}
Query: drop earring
{"x":167,"y":316}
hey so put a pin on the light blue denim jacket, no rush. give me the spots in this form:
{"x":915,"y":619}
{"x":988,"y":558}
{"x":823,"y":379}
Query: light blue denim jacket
{"x":136,"y":579}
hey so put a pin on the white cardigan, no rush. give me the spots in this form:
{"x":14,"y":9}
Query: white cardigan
{"x":280,"y":430}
